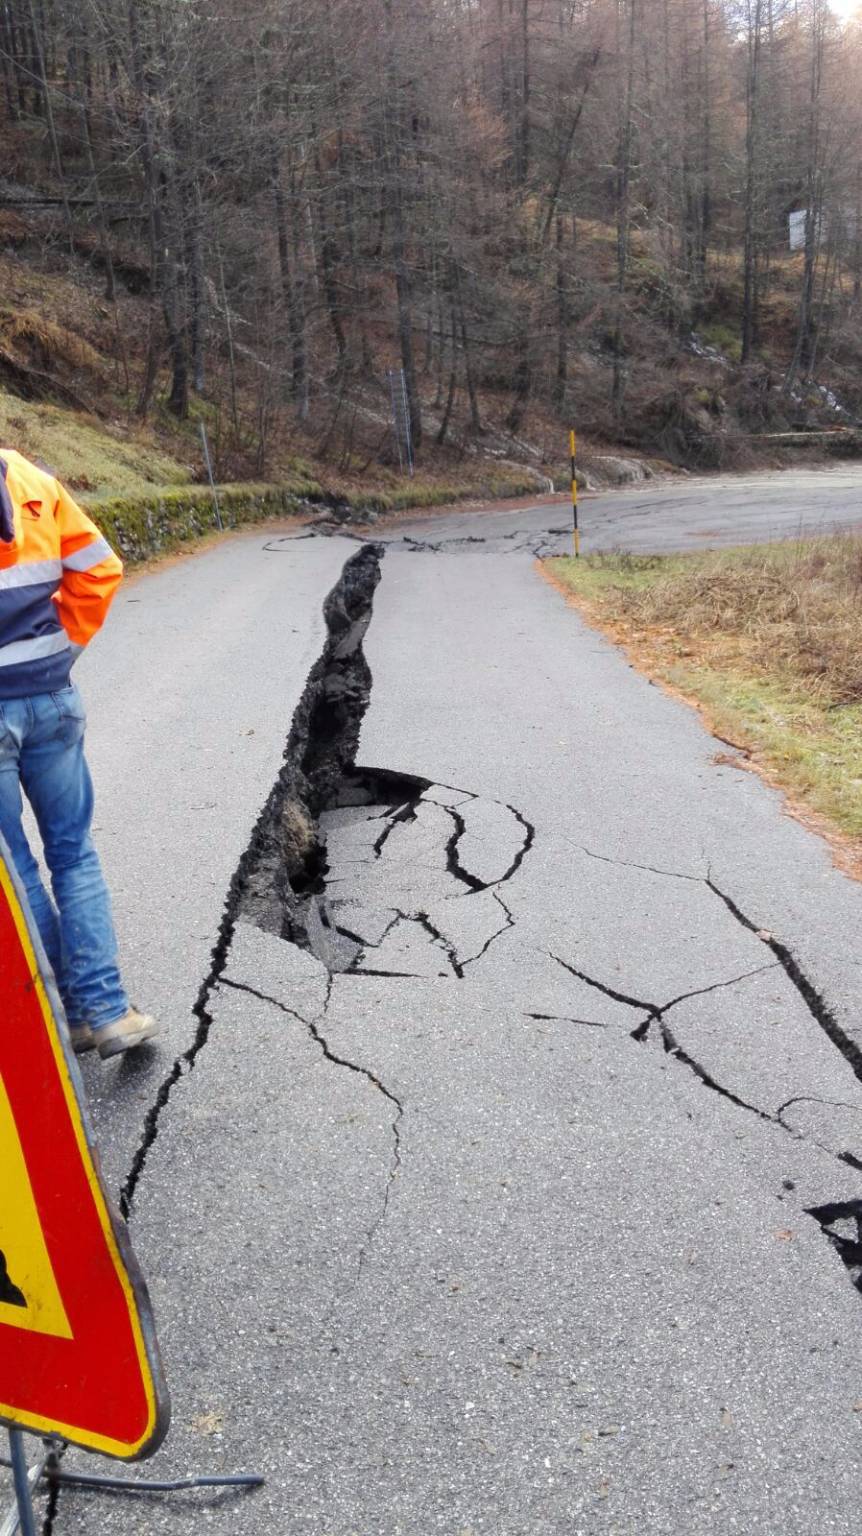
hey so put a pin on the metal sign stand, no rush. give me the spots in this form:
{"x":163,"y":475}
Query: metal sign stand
{"x":22,"y":1515}
{"x":210,"y":476}
{"x":402,"y":419}
{"x":31,"y":1001}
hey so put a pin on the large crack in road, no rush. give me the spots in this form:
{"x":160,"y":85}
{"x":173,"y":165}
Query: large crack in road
{"x":387,"y":875}
{"x":539,"y":543}
{"x":284,"y":850}
{"x":283,"y":882}
{"x":833,"y":1218}
{"x":315,"y":1029}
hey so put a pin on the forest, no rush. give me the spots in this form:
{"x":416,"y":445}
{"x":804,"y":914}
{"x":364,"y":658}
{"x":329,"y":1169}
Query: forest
{"x":545,"y":212}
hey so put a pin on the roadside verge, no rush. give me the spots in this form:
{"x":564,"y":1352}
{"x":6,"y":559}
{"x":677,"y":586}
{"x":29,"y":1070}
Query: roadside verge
{"x":766,"y":642}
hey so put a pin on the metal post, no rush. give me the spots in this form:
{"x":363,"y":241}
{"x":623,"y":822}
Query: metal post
{"x":401,"y":419}
{"x":576,"y":532}
{"x":23,"y":1488}
{"x":208,"y":462}
{"x":21,"y":1516}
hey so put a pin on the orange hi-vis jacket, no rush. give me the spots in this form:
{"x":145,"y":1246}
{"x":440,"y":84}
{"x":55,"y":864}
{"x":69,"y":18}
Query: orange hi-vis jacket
{"x":57,"y":579}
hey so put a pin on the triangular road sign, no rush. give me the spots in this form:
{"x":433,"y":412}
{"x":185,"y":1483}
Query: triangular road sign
{"x":39,"y":1305}
{"x":78,"y":1353}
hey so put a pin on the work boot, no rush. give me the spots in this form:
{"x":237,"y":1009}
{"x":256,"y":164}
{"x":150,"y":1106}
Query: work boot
{"x":82,"y":1038}
{"x":125,"y":1033}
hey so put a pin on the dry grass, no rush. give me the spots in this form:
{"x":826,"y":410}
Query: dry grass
{"x":799,"y":605}
{"x":35,"y":337}
{"x":767,"y":641}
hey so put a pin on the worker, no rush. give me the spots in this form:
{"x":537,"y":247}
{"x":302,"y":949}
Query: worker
{"x":58,"y":577}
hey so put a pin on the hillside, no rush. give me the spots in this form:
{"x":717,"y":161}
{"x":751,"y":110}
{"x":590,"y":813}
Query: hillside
{"x":580,"y":218}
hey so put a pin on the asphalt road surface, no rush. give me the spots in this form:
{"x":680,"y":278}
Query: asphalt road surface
{"x":664,"y":516}
{"x":509,"y":1199}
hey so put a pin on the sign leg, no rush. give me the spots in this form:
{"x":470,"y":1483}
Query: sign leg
{"x":20,"y":1473}
{"x":21,"y":1517}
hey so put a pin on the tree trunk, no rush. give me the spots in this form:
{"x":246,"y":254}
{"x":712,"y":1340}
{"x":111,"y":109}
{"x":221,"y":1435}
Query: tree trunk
{"x":38,"y":49}
{"x":107,"y":257}
{"x":752,"y":177}
{"x":7,"y":43}
{"x":292,"y":293}
{"x":393,"y":205}
{"x":803,"y":354}
{"x":405,"y":308}
{"x":705,"y":221}
{"x":472,"y":393}
{"x":624,"y":165}
{"x":329,"y":268}
{"x":561,"y":381}
{"x":173,"y":297}
{"x":858,"y":237}
{"x":453,"y":383}
{"x":197,"y":273}
{"x":522,"y":156}
{"x":231,"y":352}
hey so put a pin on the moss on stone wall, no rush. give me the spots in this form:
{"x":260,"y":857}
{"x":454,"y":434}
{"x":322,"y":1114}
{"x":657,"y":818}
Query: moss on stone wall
{"x":142,"y":527}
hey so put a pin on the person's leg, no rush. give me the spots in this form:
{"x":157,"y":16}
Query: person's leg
{"x":57,"y":783}
{"x":15,"y":718}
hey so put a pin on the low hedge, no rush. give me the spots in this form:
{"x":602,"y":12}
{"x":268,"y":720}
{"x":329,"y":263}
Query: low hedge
{"x":141,"y":527}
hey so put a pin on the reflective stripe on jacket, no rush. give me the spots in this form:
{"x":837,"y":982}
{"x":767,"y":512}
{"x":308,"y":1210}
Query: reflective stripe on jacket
{"x":57,"y":579}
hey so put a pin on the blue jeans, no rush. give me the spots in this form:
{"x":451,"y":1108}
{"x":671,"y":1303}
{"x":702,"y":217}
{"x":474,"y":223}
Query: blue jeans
{"x":42,"y":752}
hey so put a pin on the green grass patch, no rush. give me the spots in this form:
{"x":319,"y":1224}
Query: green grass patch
{"x":603,"y":576}
{"x":143,"y":527}
{"x":725,"y":337}
{"x":83,"y":453}
{"x":814,"y":752}
{"x":768,"y":640}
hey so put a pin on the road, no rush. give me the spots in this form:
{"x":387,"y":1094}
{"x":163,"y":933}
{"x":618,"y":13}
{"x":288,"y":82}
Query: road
{"x":482,"y":1203}
{"x":664,"y":516}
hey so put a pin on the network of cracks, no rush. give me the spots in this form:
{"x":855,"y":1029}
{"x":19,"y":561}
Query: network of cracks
{"x":387,"y":875}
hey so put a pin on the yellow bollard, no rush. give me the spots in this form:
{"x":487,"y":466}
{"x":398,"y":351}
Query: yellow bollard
{"x":576,"y":532}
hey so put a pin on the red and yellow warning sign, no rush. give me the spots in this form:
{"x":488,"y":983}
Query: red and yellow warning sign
{"x":78,"y":1354}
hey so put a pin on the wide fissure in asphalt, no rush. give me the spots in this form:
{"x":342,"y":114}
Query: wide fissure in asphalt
{"x":293,"y":879}
{"x":841,"y":1223}
{"x":359,"y":922}
{"x":537,"y":542}
{"x":284,"y":854}
{"x":281,"y":881}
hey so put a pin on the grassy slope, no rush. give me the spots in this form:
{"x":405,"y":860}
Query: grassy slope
{"x":102,"y":460}
{"x":86,"y":453}
{"x":767,"y":640}
{"x":56,"y":322}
